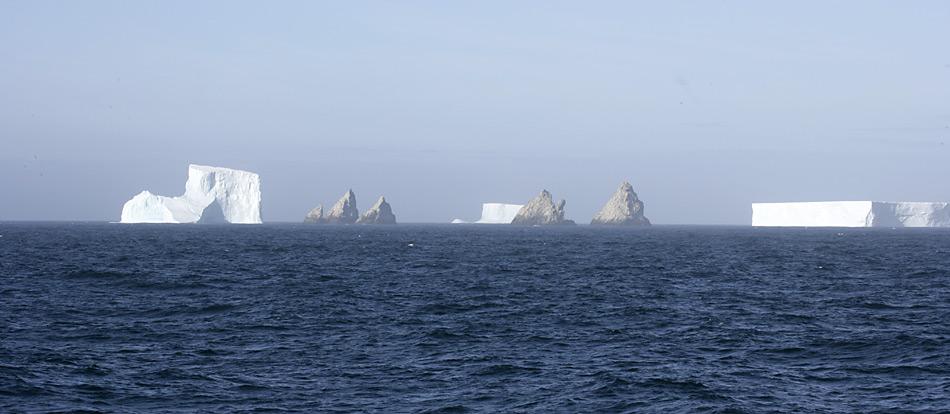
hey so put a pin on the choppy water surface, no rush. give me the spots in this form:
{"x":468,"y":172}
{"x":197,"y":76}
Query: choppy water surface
{"x":119,"y":318}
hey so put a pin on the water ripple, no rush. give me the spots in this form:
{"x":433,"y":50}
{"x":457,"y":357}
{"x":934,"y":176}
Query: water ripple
{"x":289,"y":318}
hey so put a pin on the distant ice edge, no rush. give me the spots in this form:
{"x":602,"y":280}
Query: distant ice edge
{"x":851,"y":214}
{"x":494,"y":213}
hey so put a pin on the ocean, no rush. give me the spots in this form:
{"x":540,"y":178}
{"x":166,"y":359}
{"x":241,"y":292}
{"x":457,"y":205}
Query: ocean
{"x":99,"y":317}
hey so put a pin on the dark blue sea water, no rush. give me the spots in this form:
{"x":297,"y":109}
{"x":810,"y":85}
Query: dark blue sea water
{"x":283,"y":318}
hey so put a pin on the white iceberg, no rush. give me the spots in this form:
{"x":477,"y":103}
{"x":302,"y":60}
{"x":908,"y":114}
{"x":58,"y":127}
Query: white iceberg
{"x":851,"y":214}
{"x":212,"y":195}
{"x":495,"y":213}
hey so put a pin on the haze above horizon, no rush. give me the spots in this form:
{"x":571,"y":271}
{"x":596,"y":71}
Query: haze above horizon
{"x":704,"y":108}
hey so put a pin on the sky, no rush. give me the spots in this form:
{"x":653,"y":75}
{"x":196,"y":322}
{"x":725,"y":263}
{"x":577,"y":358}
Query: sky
{"x":705,"y":107}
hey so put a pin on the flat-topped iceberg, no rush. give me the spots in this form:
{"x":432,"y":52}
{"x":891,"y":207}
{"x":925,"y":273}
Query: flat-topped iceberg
{"x":495,"y":213}
{"x":499,"y":213}
{"x":212,"y":195}
{"x":851,"y":214}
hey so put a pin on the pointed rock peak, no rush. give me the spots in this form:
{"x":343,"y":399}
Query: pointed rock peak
{"x":541,"y":211}
{"x":626,"y":187}
{"x":623,"y":208}
{"x":315,"y":215}
{"x":344,"y":211}
{"x":348,"y":197}
{"x":379,"y":203}
{"x":380,"y":213}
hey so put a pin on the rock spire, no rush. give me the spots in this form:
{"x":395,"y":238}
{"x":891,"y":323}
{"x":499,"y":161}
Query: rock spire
{"x":315,"y":216}
{"x":344,"y":211}
{"x":541,"y":211}
{"x":379,"y":213}
{"x":623,"y":209}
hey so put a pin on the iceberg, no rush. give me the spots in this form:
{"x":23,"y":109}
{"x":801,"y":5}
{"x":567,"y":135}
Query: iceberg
{"x":851,"y":214}
{"x":498,"y":213}
{"x":212,"y":195}
{"x":495,"y":213}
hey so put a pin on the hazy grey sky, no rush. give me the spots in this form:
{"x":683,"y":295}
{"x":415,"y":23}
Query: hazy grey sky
{"x":703,"y":106}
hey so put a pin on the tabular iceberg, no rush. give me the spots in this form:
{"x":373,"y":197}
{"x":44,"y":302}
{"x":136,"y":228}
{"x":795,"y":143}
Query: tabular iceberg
{"x":495,"y":213}
{"x":851,"y":214}
{"x":212,"y":195}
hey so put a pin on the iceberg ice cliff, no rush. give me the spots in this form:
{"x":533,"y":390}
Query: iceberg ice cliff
{"x":498,"y":213}
{"x":623,"y":209}
{"x":851,"y":214}
{"x":212,"y":195}
{"x":495,"y":213}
